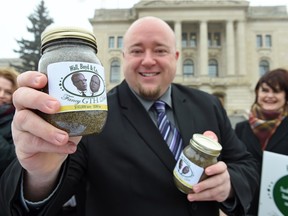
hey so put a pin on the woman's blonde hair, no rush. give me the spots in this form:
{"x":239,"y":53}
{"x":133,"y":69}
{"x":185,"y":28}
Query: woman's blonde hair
{"x":10,"y":74}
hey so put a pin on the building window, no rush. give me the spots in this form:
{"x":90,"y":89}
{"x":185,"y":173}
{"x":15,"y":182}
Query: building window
{"x":184,"y":39}
{"x":259,"y":41}
{"x":268,"y":41}
{"x":188,"y":67}
{"x":120,"y":42}
{"x":115,"y":72}
{"x":214,"y":39}
{"x":209,"y":39}
{"x":193,"y":40}
{"x":213,"y":68}
{"x":111,"y":42}
{"x":263,"y":67}
{"x":217,"y":39}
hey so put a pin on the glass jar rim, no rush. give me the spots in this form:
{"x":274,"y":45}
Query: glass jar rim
{"x":54,"y":32}
{"x":206,"y":144}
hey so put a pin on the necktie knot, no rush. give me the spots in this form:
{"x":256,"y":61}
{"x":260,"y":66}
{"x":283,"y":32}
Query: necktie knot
{"x":159,"y":106}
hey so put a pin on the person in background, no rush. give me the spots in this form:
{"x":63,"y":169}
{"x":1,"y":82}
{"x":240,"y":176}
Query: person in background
{"x":80,"y":82}
{"x":8,"y":84}
{"x":220,"y":96}
{"x":94,"y":84}
{"x":267,"y":126}
{"x":128,"y":167}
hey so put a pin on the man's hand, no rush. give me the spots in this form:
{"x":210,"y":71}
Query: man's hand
{"x":40,"y":147}
{"x":217,"y":186}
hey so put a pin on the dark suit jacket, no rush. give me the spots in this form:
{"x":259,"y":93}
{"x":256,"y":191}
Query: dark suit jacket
{"x":278,"y":143}
{"x":7,"y":151}
{"x":129,"y":167}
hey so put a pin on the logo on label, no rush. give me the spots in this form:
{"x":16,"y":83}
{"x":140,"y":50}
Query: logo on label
{"x":184,"y":168}
{"x":77,"y":85}
{"x":85,"y":84}
{"x":280,"y":194}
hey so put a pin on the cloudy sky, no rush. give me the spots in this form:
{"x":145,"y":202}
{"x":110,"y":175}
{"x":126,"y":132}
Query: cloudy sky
{"x":14,"y":13}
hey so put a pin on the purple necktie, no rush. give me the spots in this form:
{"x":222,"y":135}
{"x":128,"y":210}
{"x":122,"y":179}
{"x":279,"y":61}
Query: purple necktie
{"x":167,"y":130}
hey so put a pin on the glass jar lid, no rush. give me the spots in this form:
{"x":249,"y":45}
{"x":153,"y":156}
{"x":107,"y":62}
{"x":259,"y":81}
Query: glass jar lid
{"x":206,"y":144}
{"x":54,"y":32}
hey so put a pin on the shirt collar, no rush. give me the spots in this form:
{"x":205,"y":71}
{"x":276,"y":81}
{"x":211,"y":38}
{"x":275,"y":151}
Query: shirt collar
{"x":166,"y":97}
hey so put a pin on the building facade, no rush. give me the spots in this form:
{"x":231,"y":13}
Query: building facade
{"x":225,"y":46}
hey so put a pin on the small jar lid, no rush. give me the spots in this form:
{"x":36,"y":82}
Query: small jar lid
{"x":206,"y":144}
{"x":54,"y":32}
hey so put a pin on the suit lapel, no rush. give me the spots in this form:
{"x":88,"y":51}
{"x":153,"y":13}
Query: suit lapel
{"x":137,"y":116}
{"x":184,"y":115}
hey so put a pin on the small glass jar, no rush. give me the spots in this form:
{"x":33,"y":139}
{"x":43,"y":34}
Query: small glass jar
{"x":75,"y":78}
{"x":199,"y":154}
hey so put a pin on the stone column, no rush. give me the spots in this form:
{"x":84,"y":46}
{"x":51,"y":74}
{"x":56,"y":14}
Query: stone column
{"x":241,"y":47}
{"x":230,"y":48}
{"x":178,"y":34}
{"x":203,"y":48}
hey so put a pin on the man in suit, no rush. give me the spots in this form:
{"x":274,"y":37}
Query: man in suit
{"x":80,"y":82}
{"x":128,"y":166}
{"x":94,"y":84}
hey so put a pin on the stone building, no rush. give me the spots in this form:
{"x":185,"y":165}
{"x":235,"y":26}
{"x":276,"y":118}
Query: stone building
{"x":225,"y":45}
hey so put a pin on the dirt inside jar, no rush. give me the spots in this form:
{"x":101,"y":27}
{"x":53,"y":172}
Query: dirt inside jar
{"x":78,"y":123}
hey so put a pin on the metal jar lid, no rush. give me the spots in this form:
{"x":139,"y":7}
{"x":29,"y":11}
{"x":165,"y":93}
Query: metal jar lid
{"x":206,"y":145}
{"x":54,"y":32}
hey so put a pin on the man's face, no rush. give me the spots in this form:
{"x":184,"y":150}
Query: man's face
{"x":150,"y":58}
{"x":94,"y":83}
{"x":80,"y":82}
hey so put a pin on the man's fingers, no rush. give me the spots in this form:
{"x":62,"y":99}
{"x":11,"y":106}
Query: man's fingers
{"x":32,"y":79}
{"x":44,"y":130}
{"x":211,"y":135}
{"x":36,"y":100}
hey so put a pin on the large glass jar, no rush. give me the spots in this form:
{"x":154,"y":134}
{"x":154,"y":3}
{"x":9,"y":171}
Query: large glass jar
{"x":199,"y":154}
{"x":76,"y":78}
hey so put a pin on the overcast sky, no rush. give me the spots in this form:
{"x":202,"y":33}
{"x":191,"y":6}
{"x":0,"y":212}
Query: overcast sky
{"x":14,"y":13}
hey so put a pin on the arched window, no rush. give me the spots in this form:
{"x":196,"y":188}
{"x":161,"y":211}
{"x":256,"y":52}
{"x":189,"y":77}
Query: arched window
{"x":263,"y":67}
{"x":115,"y":71}
{"x":213,"y":68}
{"x":188,"y":67}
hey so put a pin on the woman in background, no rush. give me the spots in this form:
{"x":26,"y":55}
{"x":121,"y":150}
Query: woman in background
{"x":8,"y":84}
{"x":267,"y":126}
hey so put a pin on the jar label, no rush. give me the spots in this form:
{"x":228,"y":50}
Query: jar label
{"x":187,"y":172}
{"x":79,"y":86}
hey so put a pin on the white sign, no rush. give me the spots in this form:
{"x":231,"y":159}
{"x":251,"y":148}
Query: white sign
{"x":274,"y":185}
